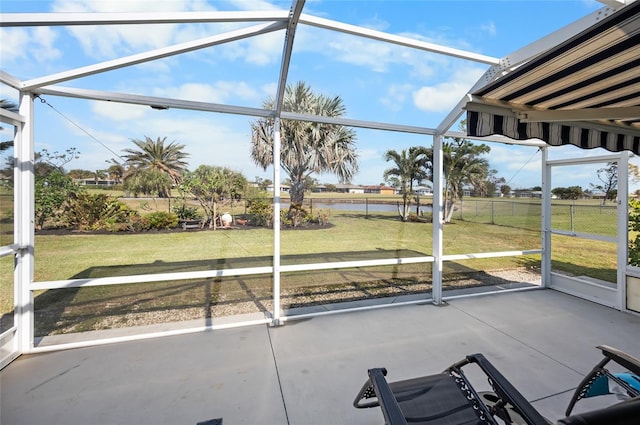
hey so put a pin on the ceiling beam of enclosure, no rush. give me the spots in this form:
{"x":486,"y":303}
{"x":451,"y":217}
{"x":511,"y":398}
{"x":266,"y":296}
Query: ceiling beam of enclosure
{"x":153,"y":55}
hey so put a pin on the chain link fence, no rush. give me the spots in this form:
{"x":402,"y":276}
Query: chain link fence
{"x":595,"y":219}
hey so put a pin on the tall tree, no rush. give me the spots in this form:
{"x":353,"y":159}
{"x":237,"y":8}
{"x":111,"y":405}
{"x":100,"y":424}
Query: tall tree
{"x":116,"y":172}
{"x":409,"y":167}
{"x":307,"y":147}
{"x":609,"y":178}
{"x":463,"y":164}
{"x":159,"y":156}
{"x":212,"y":187}
{"x":148,"y":181}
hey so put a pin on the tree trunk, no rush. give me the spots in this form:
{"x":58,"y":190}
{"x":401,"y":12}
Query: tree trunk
{"x":405,"y":205}
{"x":215,"y":214}
{"x":296,"y":194}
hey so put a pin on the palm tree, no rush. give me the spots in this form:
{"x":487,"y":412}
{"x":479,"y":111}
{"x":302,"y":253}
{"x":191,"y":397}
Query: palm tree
{"x":463,"y":164}
{"x":154,"y":155}
{"x":307,"y":147}
{"x":409,"y":167}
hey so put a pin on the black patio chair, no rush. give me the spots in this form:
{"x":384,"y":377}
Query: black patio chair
{"x":448,"y":398}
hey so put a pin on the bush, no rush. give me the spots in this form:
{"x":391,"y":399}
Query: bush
{"x":85,"y":211}
{"x":162,"y":220}
{"x":183,"y":212}
{"x":261,"y":212}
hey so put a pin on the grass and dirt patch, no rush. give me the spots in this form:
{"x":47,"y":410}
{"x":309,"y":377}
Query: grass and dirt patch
{"x":351,"y":236}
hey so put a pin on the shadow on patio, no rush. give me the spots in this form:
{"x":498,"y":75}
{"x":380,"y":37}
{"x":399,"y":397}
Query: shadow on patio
{"x":309,"y":371}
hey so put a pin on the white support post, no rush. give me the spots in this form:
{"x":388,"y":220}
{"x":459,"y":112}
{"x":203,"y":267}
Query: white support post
{"x":438,"y":219}
{"x":623,"y":231}
{"x":24,"y":225}
{"x":276,"y":222}
{"x":545,"y":266}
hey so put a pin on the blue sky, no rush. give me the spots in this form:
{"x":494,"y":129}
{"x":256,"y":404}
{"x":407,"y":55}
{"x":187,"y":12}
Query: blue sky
{"x":377,"y":82}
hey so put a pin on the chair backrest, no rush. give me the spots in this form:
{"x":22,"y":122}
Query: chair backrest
{"x":625,"y":413}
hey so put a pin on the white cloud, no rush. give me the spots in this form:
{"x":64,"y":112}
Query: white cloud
{"x":490,"y":28}
{"x":118,"y":111}
{"x":264,"y":49}
{"x":369,"y":154}
{"x":35,"y":44}
{"x":372,"y":55}
{"x":252,"y":5}
{"x":109,"y":41}
{"x":396,"y":96}
{"x":444,"y":96}
{"x":220,"y":92}
{"x":14,"y":44}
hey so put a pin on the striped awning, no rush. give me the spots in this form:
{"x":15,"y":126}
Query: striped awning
{"x":584,"y":92}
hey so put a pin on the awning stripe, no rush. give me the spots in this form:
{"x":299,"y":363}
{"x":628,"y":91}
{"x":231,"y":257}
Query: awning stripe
{"x":481,"y":124}
{"x":593,"y":80}
{"x":613,"y":20}
{"x":594,"y":60}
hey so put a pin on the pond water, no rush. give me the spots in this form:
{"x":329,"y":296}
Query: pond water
{"x":363,"y":207}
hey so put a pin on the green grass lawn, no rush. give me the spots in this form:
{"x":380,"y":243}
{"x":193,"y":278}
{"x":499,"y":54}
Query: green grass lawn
{"x":351,"y":237}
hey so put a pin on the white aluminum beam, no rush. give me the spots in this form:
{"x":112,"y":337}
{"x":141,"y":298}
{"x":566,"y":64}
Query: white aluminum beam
{"x":545,"y":220}
{"x":624,"y":113}
{"x":24,"y":222}
{"x":10,"y":117}
{"x":623,"y":229}
{"x":437,"y":219}
{"x":152,"y":55}
{"x":153,"y":102}
{"x":358,"y":123}
{"x":602,"y":159}
{"x":165,"y":103}
{"x":147,"y":278}
{"x":395,"y":39}
{"x":10,"y":80}
{"x":69,"y":19}
{"x":296,"y":10}
{"x":294,"y":15}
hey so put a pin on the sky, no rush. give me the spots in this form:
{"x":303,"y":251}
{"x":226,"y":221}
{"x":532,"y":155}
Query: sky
{"x":377,"y":82}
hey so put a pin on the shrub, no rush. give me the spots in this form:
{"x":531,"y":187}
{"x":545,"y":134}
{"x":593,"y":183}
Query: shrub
{"x":323,"y":217}
{"x":87,"y":211}
{"x":261,"y":212}
{"x":185,"y":212}
{"x":162,"y":220}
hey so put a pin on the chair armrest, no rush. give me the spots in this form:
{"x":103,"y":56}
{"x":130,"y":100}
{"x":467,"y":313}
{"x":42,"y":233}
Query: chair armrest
{"x":507,"y":392}
{"x":625,"y":360}
{"x":390,"y":408}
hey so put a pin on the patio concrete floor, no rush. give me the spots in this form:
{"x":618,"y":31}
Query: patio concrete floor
{"x":309,"y":371}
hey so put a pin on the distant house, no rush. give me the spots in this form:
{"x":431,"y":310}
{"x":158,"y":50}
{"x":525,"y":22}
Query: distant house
{"x":94,"y":182}
{"x":528,"y":193}
{"x":382,"y":190}
{"x":423,"y":190}
{"x":283,"y":188}
{"x":349,"y":188}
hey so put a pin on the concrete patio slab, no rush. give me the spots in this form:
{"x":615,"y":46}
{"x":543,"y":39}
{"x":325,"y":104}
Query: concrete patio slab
{"x":309,"y":370}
